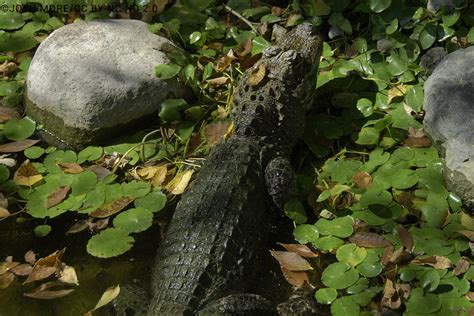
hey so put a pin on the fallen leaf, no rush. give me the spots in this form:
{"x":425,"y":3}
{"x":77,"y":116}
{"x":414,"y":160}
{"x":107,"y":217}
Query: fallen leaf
{"x":30,"y":257}
{"x":43,"y":292}
{"x":396,"y":91}
{"x":160,"y":176}
{"x":406,"y":238}
{"x":417,"y":142}
{"x":6,"y":279}
{"x":100,"y":172}
{"x":27,"y":175}
{"x":400,"y":256}
{"x":79,"y":226}
{"x":394,"y":294}
{"x":362,"y":180}
{"x":108,"y":296}
{"x":291,"y":261}
{"x":256,"y":75}
{"x":7,"y":266}
{"x":17,"y":146}
{"x":468,"y":233}
{"x":215,"y":132}
{"x":99,"y":225}
{"x":219,"y":81}
{"x":387,"y":254}
{"x":244,"y":48}
{"x":4,"y":213}
{"x":57,"y":196}
{"x":470,"y":296}
{"x":462,"y":266}
{"x":467,"y":221}
{"x":277,"y":11}
{"x":9,"y":162}
{"x":180,"y":182}
{"x":46,"y":266}
{"x":68,"y":275}
{"x":22,"y":269}
{"x":301,"y":250}
{"x":223,"y":62}
{"x":71,"y":167}
{"x":8,"y":67}
{"x":112,"y":208}
{"x":7,"y":114}
{"x":369,"y":240}
{"x":295,"y":278}
{"x":437,"y":262}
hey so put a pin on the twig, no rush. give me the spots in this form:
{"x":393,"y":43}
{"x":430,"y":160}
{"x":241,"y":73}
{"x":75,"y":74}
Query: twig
{"x":237,"y":14}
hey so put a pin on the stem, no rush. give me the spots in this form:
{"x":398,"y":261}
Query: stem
{"x":237,"y":14}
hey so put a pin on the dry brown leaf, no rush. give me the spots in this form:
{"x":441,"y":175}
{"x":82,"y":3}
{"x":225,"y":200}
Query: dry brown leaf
{"x":256,"y":75}
{"x":401,"y":256}
{"x":437,"y":262}
{"x":99,"y":225}
{"x":362,"y":180}
{"x":46,"y":266}
{"x":6,"y":279}
{"x":215,"y":132}
{"x":7,"y":266}
{"x":277,"y":11}
{"x":369,"y":240}
{"x":5,"y":160}
{"x":46,"y":291}
{"x":68,"y":275}
{"x":406,"y":238}
{"x":295,"y":278}
{"x":8,"y":67}
{"x":100,"y":172}
{"x":4,"y":213}
{"x":387,"y":254}
{"x":301,"y":250}
{"x":71,"y":167}
{"x":108,"y":296}
{"x":112,"y":208}
{"x":390,"y":298}
{"x":22,"y":269}
{"x":467,"y":221}
{"x":26,"y":174}
{"x":462,"y":266}
{"x":180,"y":182}
{"x":244,"y":48}
{"x":57,"y":196}
{"x":7,"y":114}
{"x":417,"y":142}
{"x":470,"y":296}
{"x":79,"y":226}
{"x":17,"y":146}
{"x":396,"y":91}
{"x":160,"y":176}
{"x":30,"y":257}
{"x":291,"y":261}
{"x":468,"y":233}
{"x":219,"y":81}
{"x":223,"y":62}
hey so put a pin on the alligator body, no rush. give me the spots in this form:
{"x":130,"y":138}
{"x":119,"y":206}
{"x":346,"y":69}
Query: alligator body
{"x":208,"y":257}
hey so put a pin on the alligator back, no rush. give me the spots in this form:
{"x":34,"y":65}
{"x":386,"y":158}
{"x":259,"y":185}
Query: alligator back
{"x":216,"y":233}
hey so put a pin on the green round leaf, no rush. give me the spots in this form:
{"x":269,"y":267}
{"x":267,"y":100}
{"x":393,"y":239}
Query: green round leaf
{"x":359,"y":286}
{"x":378,"y":6}
{"x":328,"y":243}
{"x":422,"y":304}
{"x":368,"y":136}
{"x":11,"y":20}
{"x":428,"y":36}
{"x":306,"y":234}
{"x":404,"y":179}
{"x":195,"y":37}
{"x":326,"y":295}
{"x":110,"y":243}
{"x":339,"y":227}
{"x":345,"y":306}
{"x":170,"y":109}
{"x":8,"y":87}
{"x":4,"y":173}
{"x":369,"y":269}
{"x":83,"y":182}
{"x":134,"y":220}
{"x":34,"y":152}
{"x":19,"y":129}
{"x":392,"y":27}
{"x":90,"y":153}
{"x":324,"y":196}
{"x":351,"y":254}
{"x":294,"y":209}
{"x":154,"y":201}
{"x":165,"y":71}
{"x":339,"y":275}
{"x":430,"y":280}
{"x":135,"y":189}
{"x":407,"y":274}
{"x":365,"y":107}
{"x":451,"y":19}
{"x":42,"y":230}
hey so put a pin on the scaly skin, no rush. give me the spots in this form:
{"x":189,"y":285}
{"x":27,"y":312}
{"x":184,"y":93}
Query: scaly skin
{"x":220,"y":226}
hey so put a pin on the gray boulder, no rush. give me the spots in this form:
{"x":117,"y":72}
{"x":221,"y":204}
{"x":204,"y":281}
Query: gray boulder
{"x":449,"y":119}
{"x":90,"y":81}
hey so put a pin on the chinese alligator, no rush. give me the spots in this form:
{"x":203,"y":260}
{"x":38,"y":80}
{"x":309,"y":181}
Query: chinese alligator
{"x":207,"y":260}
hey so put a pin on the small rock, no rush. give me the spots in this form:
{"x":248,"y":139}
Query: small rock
{"x":432,"y":58}
{"x":334,"y":32}
{"x":90,"y":81}
{"x":449,"y":119}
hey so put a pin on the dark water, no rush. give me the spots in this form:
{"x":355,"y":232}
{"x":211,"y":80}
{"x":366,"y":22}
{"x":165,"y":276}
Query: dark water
{"x":95,"y":275}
